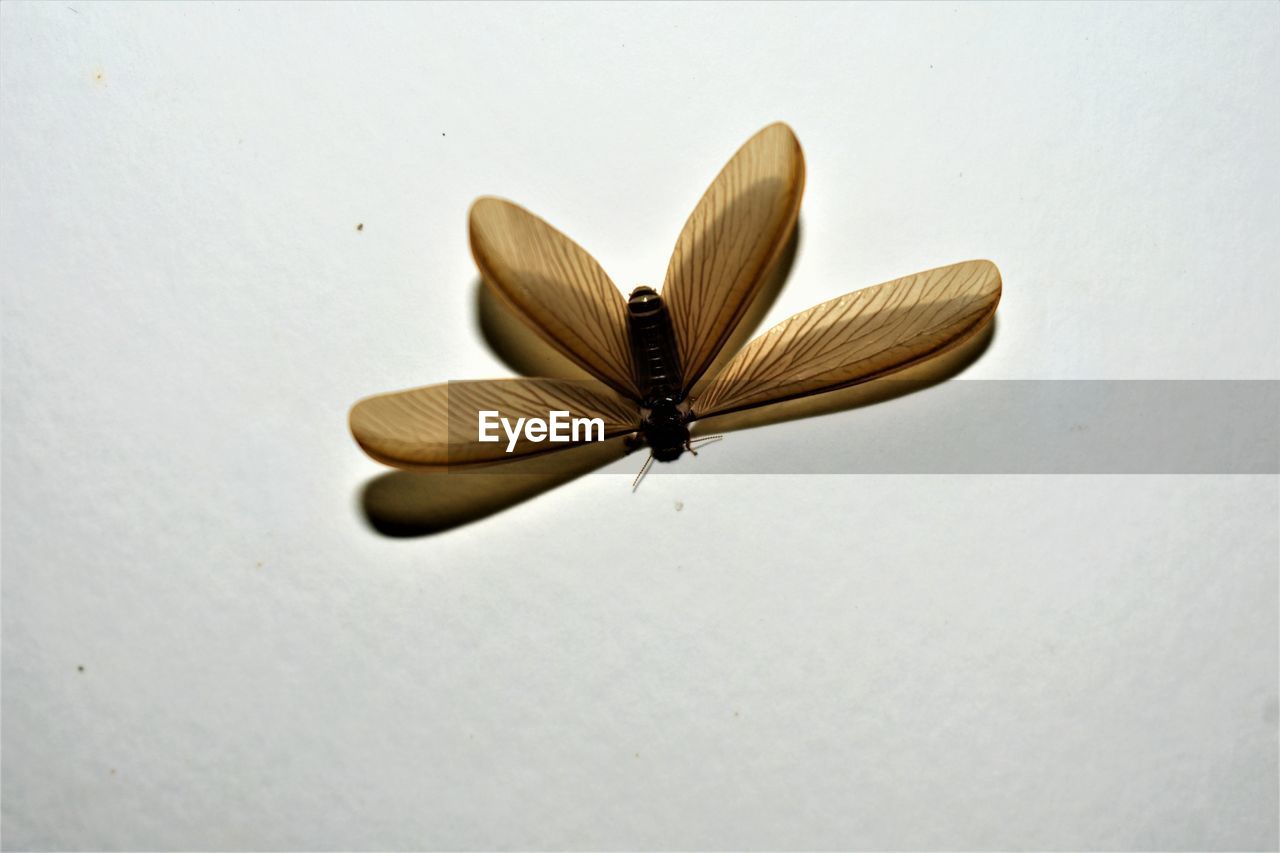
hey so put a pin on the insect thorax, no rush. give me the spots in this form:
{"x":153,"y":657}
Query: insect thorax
{"x":666,"y":429}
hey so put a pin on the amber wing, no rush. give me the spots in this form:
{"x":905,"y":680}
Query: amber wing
{"x":438,"y":426}
{"x":857,"y":337}
{"x":556,"y":287}
{"x":730,"y":243}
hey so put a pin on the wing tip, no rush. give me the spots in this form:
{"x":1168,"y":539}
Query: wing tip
{"x":990,"y":287}
{"x":987,"y":262}
{"x":361,"y":430}
{"x":986,"y":280}
{"x":377,"y":443}
{"x":487,"y":217}
{"x":484,"y":209}
{"x":485,"y":201}
{"x":781,"y":132}
{"x":993,"y":280}
{"x":779,"y":127}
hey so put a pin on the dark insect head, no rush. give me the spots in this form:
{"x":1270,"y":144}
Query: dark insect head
{"x":665,"y":428}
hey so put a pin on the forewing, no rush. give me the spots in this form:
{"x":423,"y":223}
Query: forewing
{"x":556,"y":287}
{"x":438,"y":426}
{"x":730,"y":243}
{"x":857,"y":337}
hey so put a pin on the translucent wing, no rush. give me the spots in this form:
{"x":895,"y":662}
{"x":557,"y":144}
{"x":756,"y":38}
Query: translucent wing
{"x":857,"y":337}
{"x":556,"y":287}
{"x":730,"y":242}
{"x":438,"y":425}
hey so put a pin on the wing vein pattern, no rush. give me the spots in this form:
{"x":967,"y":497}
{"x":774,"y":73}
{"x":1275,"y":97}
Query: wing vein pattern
{"x":730,"y":243}
{"x":556,"y":287}
{"x":857,"y":337}
{"x":438,"y":426}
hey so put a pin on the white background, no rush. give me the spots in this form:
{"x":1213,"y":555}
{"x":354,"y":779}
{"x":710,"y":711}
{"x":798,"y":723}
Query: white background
{"x":716,"y":661}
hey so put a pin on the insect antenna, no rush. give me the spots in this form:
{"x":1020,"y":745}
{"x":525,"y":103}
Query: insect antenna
{"x":706,"y":439}
{"x":644,"y":469}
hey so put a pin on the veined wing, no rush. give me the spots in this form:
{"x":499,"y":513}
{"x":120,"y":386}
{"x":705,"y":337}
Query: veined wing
{"x":556,"y":287}
{"x":730,"y":243}
{"x":439,"y":425}
{"x":857,"y":337}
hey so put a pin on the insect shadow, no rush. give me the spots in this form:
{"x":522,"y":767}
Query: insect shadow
{"x":409,"y":503}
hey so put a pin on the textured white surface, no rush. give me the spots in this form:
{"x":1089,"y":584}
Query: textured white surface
{"x":718,"y":661}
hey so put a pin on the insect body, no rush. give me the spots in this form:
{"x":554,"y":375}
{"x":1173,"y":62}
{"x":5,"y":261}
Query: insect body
{"x":648,"y":352}
{"x":658,"y":376}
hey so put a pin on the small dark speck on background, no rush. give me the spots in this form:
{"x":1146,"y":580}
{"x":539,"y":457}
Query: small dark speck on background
{"x":359,"y":227}
{"x":679,"y":505}
{"x":80,"y":669}
{"x":442,"y":134}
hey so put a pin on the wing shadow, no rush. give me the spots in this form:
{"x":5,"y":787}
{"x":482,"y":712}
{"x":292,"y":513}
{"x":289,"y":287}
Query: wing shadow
{"x":412,"y":503}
